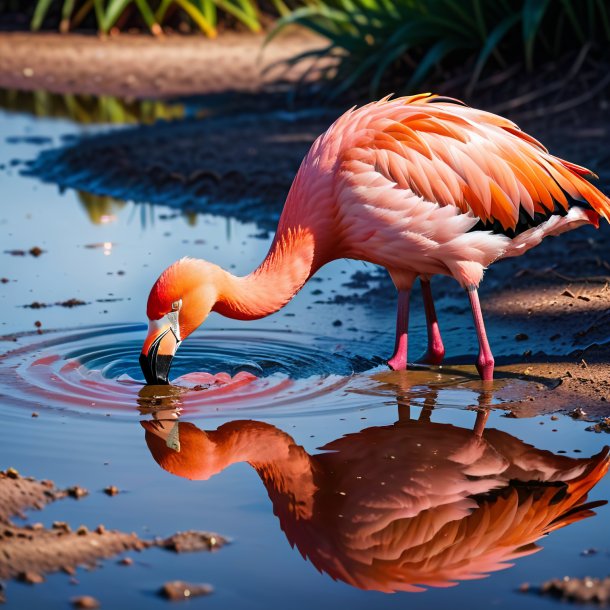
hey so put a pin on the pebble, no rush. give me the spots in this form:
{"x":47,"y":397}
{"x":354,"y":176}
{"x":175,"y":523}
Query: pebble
{"x":76,"y":491}
{"x":177,"y":590}
{"x":85,"y":601}
{"x":30,"y":577}
{"x":111,"y":490}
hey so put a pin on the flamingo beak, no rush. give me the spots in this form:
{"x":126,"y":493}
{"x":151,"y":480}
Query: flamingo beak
{"x":159,"y":348}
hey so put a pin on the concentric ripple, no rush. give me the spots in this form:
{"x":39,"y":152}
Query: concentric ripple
{"x":95,"y":370}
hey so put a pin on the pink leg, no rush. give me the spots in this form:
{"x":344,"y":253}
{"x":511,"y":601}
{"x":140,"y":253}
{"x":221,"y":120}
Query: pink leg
{"x":480,"y":422}
{"x":436,"y":349}
{"x":485,"y":361}
{"x":398,"y":362}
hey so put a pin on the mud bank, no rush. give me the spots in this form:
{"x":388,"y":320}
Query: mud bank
{"x":29,"y":552}
{"x":137,"y":66}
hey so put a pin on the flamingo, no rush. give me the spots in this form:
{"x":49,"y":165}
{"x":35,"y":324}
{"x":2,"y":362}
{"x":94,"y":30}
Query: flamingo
{"x":420,"y":185}
{"x":400,"y":507}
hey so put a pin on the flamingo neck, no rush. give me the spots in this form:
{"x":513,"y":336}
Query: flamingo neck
{"x":287,"y":266}
{"x":285,"y":468}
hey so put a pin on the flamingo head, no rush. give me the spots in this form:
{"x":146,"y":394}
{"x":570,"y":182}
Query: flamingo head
{"x":179,"y":302}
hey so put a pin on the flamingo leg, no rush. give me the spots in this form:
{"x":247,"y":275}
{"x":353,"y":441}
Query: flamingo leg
{"x":480,"y":422}
{"x":485,"y":360}
{"x":398,"y":362}
{"x":436,"y":349}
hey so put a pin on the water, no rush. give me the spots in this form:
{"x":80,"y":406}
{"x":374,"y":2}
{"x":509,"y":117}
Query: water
{"x":286,"y":434}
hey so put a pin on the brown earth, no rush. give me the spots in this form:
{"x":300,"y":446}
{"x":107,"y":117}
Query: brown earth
{"x":136,"y":66}
{"x":31,"y":551}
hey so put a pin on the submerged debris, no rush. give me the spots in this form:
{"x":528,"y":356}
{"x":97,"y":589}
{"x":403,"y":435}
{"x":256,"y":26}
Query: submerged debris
{"x":35,"y":251}
{"x":76,"y":491}
{"x":85,"y":601}
{"x":177,"y":590}
{"x":587,"y":589}
{"x":68,"y":303}
{"x":601,"y":426}
{"x":578,"y":413}
{"x":190,"y":541}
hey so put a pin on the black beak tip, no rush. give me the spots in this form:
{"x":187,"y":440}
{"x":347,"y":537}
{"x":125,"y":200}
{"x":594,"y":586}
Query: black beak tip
{"x":156,"y":369}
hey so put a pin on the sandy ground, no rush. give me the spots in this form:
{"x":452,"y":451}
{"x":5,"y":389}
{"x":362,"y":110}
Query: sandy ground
{"x":135,"y":66}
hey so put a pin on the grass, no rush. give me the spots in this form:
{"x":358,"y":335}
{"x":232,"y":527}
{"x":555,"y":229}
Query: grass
{"x":399,"y":44}
{"x":108,"y":14}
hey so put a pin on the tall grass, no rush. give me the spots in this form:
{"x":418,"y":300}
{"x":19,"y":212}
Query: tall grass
{"x":383,"y":42}
{"x":108,"y":13}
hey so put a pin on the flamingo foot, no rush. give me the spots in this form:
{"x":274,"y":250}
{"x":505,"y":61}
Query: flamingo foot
{"x":398,"y":362}
{"x":434,"y":354}
{"x":485,"y":366}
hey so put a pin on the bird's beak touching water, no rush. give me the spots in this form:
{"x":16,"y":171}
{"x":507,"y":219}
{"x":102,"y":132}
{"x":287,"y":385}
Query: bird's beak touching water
{"x":161,"y":343}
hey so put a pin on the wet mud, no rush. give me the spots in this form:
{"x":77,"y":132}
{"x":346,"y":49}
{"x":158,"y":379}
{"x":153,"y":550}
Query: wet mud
{"x":32,"y":551}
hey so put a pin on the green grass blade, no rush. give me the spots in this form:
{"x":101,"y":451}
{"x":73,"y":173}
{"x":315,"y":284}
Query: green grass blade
{"x":161,"y":10}
{"x":492,"y":42}
{"x":114,"y":10}
{"x":147,"y":15}
{"x":250,"y":22}
{"x":532,"y":15}
{"x":204,"y":25}
{"x":434,"y":56}
{"x":66,"y":14}
{"x":40,"y":12}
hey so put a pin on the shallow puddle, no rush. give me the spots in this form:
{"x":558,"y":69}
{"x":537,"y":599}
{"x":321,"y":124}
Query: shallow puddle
{"x":337,"y":480}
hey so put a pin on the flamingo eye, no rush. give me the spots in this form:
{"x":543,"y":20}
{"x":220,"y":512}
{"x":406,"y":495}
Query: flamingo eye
{"x":176,"y":305}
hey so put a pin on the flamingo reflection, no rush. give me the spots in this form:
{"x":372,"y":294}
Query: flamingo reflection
{"x":401,"y":507}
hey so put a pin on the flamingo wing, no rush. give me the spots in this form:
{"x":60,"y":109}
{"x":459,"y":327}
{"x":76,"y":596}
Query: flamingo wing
{"x":452,"y":154}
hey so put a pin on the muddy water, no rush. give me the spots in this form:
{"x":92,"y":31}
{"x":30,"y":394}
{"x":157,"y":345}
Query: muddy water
{"x":337,"y":481}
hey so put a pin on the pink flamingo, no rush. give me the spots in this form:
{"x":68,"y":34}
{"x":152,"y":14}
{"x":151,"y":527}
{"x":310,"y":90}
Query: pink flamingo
{"x":420,"y":185}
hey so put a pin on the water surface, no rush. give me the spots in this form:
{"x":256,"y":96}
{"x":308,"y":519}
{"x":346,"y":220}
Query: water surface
{"x":303,"y":449}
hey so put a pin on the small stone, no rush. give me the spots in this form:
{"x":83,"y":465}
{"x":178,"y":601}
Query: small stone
{"x":61,"y":525}
{"x":31,"y":578}
{"x":76,"y":491}
{"x":524,"y":587}
{"x":111,"y":490}
{"x":337,"y":323}
{"x":85,"y":601}
{"x":126,"y":561}
{"x":177,"y":590}
{"x":36,"y":251}
{"x":12,"y":473}
{"x":568,"y":293}
{"x":577,"y":413}
{"x":28,"y":72}
{"x":82,"y":530}
{"x":4,"y":280}
{"x":554,"y":417}
{"x":34,"y":414}
{"x":521,"y":337}
{"x":190,"y":541}
{"x":100,"y":529}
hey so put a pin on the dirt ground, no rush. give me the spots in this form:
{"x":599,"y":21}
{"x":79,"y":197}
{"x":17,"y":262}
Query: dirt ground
{"x":31,"y":551}
{"x":137,"y":66}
